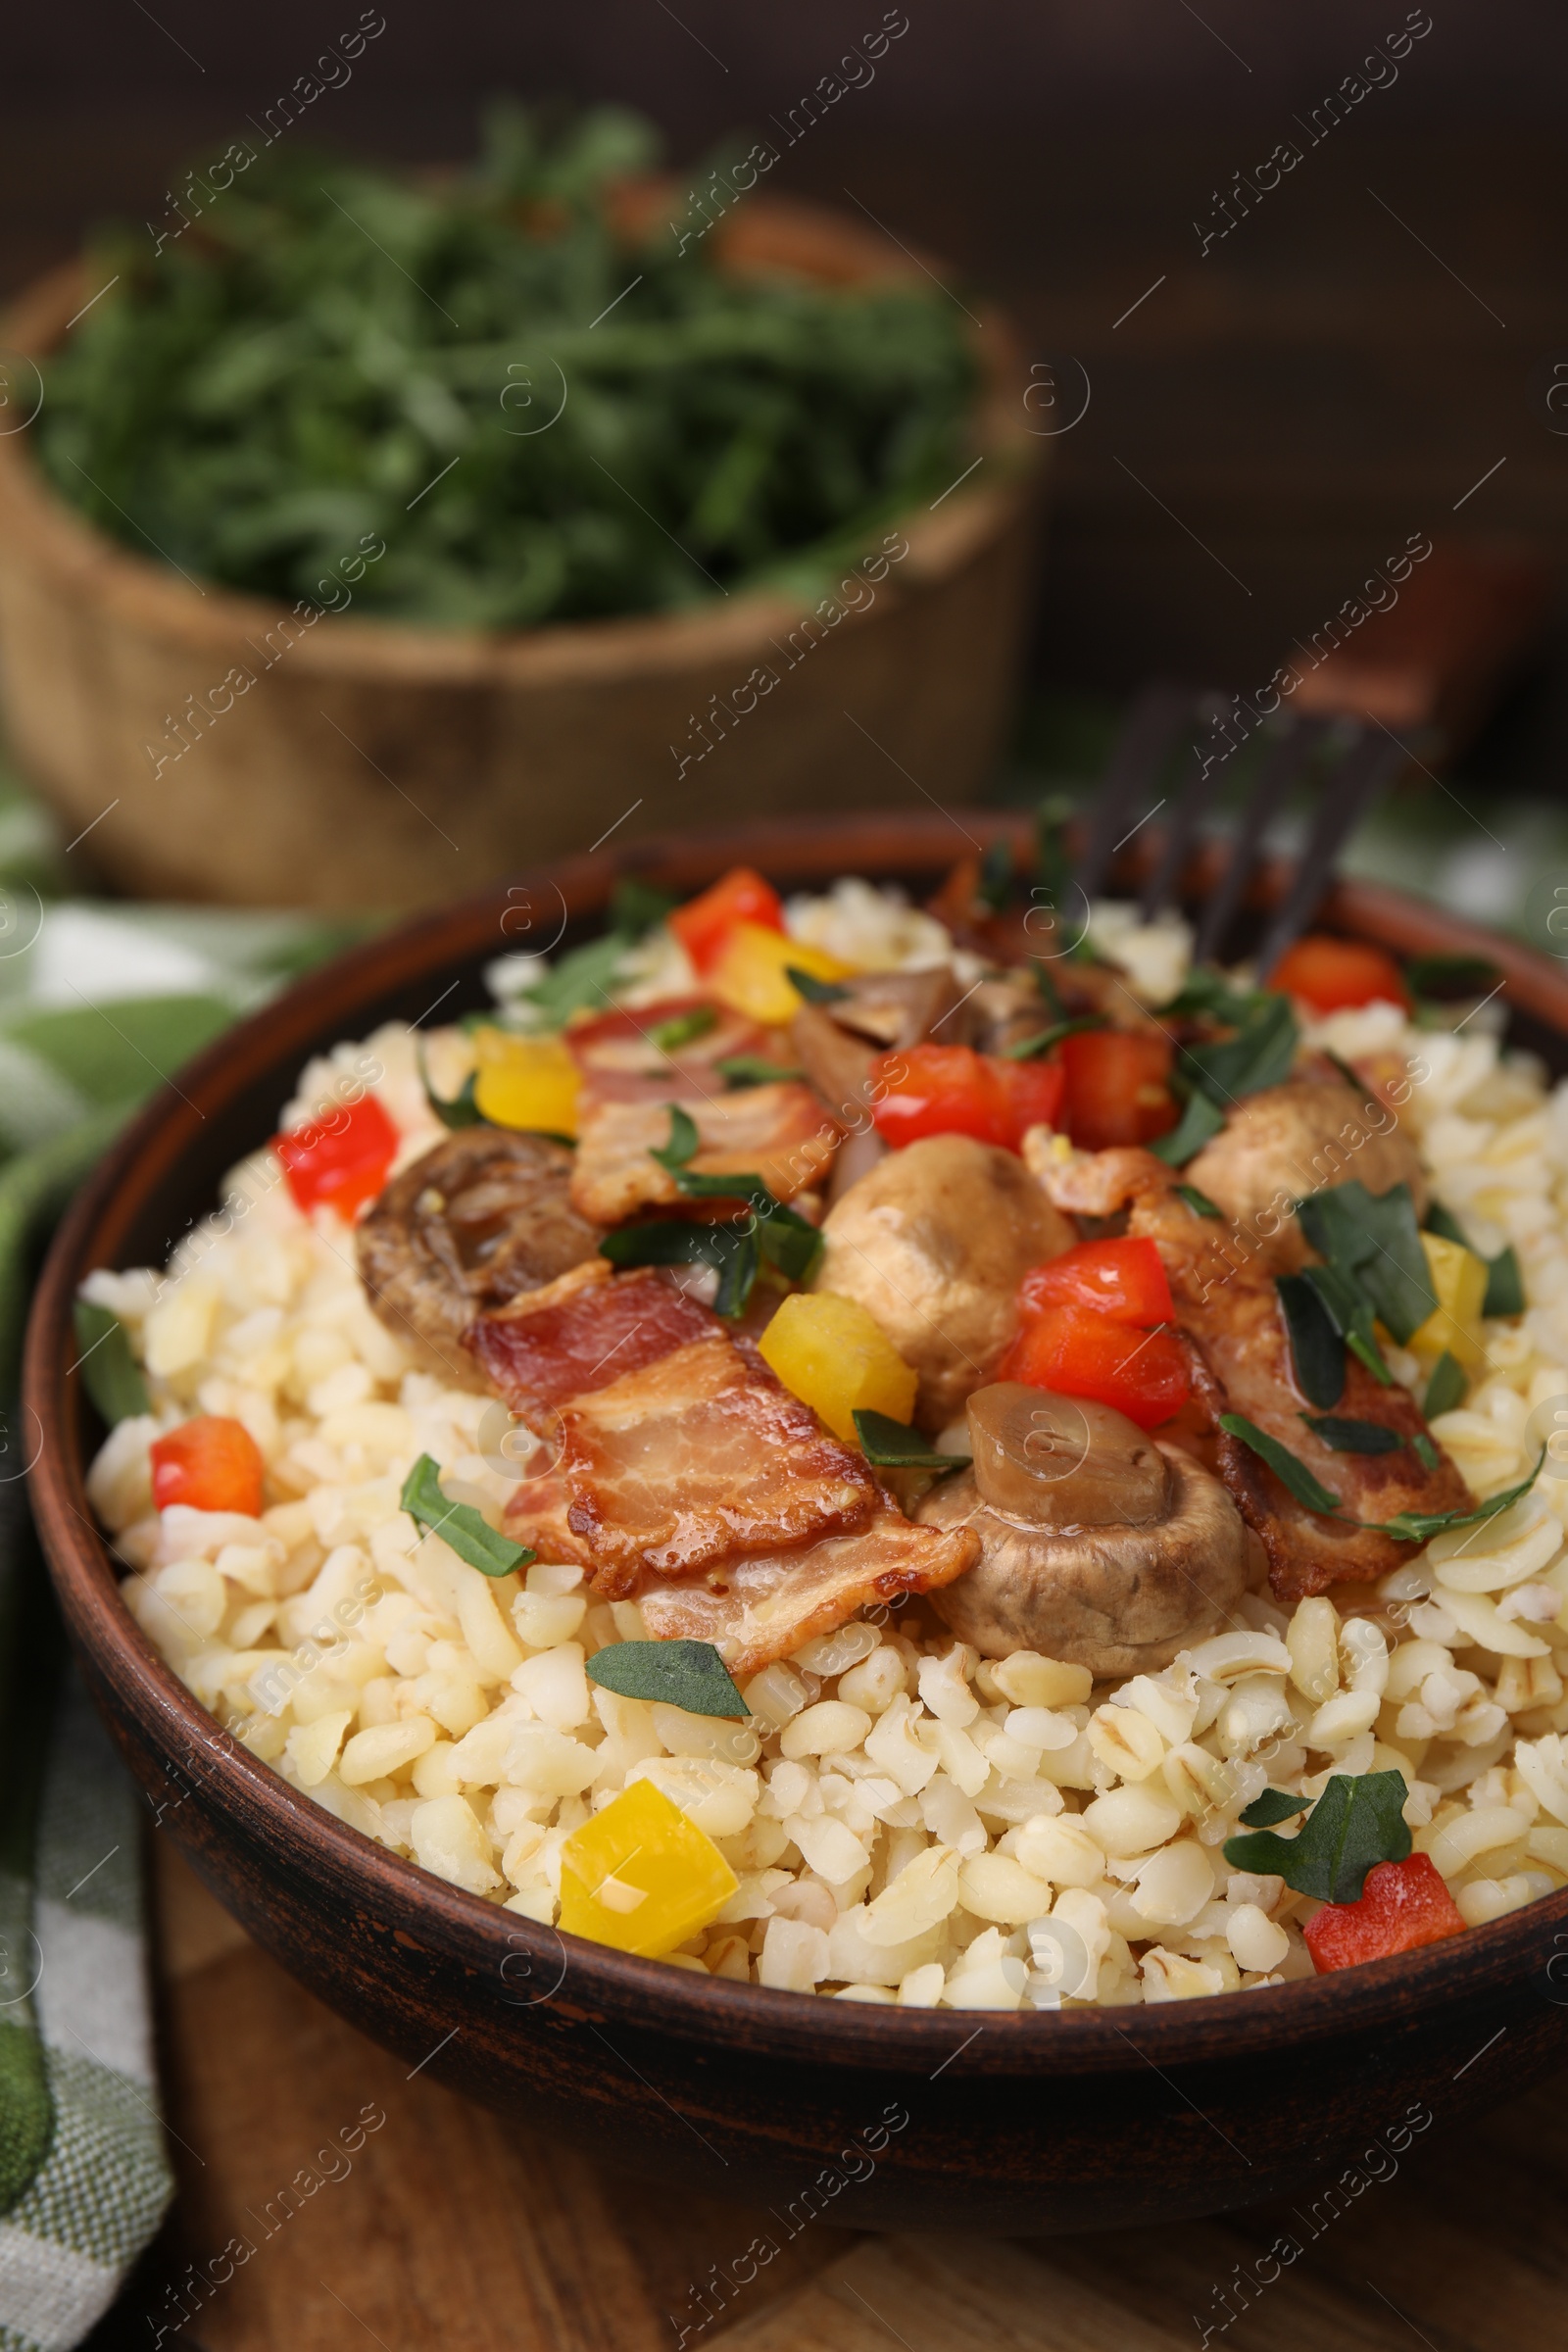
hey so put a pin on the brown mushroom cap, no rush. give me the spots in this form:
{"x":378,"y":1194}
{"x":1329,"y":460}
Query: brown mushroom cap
{"x":933,"y":1243}
{"x":1119,"y":1598}
{"x":465,"y":1228}
{"x":1304,"y":1137}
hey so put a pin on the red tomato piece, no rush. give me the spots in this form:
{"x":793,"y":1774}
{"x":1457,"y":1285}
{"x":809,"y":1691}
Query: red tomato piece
{"x":941,"y":1090}
{"x":1331,"y":974}
{"x":951,"y":1089}
{"x":1117,"y":1087}
{"x":1403,"y":1904}
{"x":1079,"y":1353}
{"x":211,"y":1463}
{"x":1122,"y":1279}
{"x":1033,"y":1090}
{"x":341,"y":1158}
{"x":703,"y":923}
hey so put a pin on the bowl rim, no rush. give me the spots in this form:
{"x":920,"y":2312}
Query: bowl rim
{"x":154,"y":597}
{"x":303,"y":1837}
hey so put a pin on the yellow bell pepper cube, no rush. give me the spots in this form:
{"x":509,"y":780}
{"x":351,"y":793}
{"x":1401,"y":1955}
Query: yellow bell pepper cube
{"x":527,"y":1082}
{"x":836,"y":1357}
{"x":751,"y":973}
{"x":1460,"y":1279}
{"x":641,"y":1877}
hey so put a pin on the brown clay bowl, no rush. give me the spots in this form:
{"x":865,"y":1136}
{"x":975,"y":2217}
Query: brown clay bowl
{"x":371,"y":762}
{"x":1034,"y":2122}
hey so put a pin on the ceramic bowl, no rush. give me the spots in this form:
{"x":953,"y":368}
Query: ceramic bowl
{"x":875,"y":2117}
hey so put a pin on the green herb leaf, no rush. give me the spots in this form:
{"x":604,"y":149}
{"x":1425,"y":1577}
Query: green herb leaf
{"x":1260,"y":1055}
{"x":1426,"y":1453}
{"x":1291,"y":1472}
{"x":1274,"y":1804}
{"x":1028,"y":1049}
{"x":682,"y":1144}
{"x":1208,"y":994}
{"x":580,"y":979}
{"x":753,"y":1069}
{"x":635,"y":906}
{"x":460,"y":1109}
{"x":892,"y":1445}
{"x":789,"y":1243}
{"x":1200,"y":1121}
{"x":1419,"y":1526}
{"x":678,"y":1674}
{"x":1451,"y":976}
{"x":110,"y":1373}
{"x":1198,"y":1203}
{"x":813,"y":990}
{"x":682,"y":1027}
{"x":1317,"y":1344}
{"x":1353,"y":1437}
{"x":1445,"y":1225}
{"x":457,"y":1524}
{"x":996,"y":875}
{"x":1374,"y":1238}
{"x":1351,"y":1316}
{"x":1355,"y":1823}
{"x":1449,"y":1385}
{"x":730,"y":1250}
{"x":1356,"y":1083}
{"x":1505,"y":1286}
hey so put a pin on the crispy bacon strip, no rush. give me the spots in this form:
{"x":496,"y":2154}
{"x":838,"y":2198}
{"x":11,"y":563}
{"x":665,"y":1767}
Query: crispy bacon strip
{"x":576,"y":1336}
{"x":621,"y":1062}
{"x":1228,"y":1311}
{"x":756,"y":1610}
{"x":699,"y":1456}
{"x":780,"y":1132}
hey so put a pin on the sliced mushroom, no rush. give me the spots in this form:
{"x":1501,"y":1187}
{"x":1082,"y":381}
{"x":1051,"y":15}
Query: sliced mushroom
{"x":934,"y":1241}
{"x":838,"y":1043}
{"x":1304,"y":1137}
{"x":1099,"y":1544}
{"x":469,"y":1225}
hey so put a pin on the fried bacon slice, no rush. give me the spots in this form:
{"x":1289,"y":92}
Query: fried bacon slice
{"x":674,"y":1446}
{"x":622,"y":1061}
{"x":779,"y":1132}
{"x":1228,"y":1311}
{"x":696,"y":1458}
{"x":580,"y":1334}
{"x":758,"y":1609}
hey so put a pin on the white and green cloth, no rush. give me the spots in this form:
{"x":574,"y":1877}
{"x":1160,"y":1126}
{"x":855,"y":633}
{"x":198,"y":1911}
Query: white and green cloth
{"x":98,"y":1004}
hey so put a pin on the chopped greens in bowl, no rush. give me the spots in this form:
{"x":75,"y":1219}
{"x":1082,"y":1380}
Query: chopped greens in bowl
{"x":541,"y":417}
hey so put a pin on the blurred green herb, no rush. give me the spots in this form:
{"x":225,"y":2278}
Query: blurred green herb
{"x":537,"y":415}
{"x":110,"y":1373}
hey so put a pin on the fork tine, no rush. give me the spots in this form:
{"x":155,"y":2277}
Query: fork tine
{"x":1192,"y":806}
{"x":1369,"y":764}
{"x":1140,"y":753}
{"x":1288,"y":755}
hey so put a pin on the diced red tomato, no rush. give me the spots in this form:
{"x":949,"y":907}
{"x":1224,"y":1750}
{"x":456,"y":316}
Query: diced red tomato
{"x":1403,"y":1904}
{"x":951,"y":1089}
{"x":1330,"y":974}
{"x":1081,"y":1354}
{"x":340,"y":1160}
{"x":1033,"y":1092}
{"x":1123,"y":1279}
{"x":211,"y":1463}
{"x":1117,"y":1087}
{"x":703,"y":923}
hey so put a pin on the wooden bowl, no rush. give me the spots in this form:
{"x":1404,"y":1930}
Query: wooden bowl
{"x":372,"y":763}
{"x":1030,"y":2123}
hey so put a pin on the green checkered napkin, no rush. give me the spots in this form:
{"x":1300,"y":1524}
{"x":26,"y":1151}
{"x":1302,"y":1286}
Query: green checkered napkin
{"x":98,"y":1004}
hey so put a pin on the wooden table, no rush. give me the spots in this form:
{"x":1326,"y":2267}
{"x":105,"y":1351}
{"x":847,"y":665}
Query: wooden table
{"x":448,"y":2227}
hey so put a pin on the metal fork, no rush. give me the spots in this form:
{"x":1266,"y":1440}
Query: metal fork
{"x":1357,"y":761}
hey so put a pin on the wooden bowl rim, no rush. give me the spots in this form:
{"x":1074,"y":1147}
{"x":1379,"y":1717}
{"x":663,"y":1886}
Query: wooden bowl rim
{"x":300,"y":1837}
{"x":940,"y":541}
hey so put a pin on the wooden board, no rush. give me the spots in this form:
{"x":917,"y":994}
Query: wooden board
{"x":446,"y":2227}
